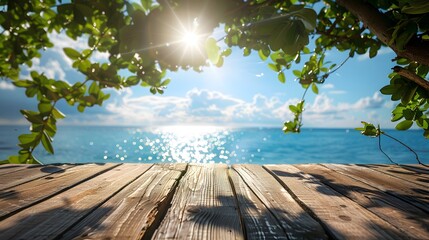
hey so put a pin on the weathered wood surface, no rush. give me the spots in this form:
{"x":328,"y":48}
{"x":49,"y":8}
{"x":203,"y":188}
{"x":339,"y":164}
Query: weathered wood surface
{"x":343,"y":218}
{"x":21,"y":174}
{"x":29,"y":193}
{"x":214,"y":201}
{"x":409,"y":219}
{"x":415,"y":194}
{"x":131,"y":212}
{"x":295,"y":221}
{"x":204,"y":207}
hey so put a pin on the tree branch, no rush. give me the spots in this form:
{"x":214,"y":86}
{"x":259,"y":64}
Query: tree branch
{"x":412,"y":77}
{"x":415,"y":50}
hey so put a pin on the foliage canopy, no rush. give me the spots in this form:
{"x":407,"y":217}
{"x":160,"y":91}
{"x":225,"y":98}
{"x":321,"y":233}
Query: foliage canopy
{"x":142,"y":38}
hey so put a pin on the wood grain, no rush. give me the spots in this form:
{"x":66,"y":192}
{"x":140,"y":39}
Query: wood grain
{"x":40,"y":189}
{"x":414,"y":194}
{"x":135,"y":209}
{"x":411,"y":220}
{"x":26,"y":173}
{"x":203,"y":207}
{"x":295,"y":221}
{"x":342,"y":217}
{"x":54,"y":216}
{"x":406,"y":173}
{"x":258,"y":220}
{"x":9,"y":168}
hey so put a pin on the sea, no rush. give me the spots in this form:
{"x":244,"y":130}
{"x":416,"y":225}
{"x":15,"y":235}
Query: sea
{"x":210,"y":144}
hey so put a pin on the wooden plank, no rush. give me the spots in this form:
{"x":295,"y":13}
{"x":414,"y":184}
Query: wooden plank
{"x":22,"y":196}
{"x":2,"y":166}
{"x":411,"y":220}
{"x":417,"y":168}
{"x":342,"y":217}
{"x":28,"y":173}
{"x":403,"y":172}
{"x":135,"y":210}
{"x":8,"y":168}
{"x":258,"y":221}
{"x":203,"y":207}
{"x":295,"y":221}
{"x":414,"y":194}
{"x":51,"y":218}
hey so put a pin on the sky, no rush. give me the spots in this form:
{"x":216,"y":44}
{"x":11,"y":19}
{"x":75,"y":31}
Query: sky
{"x":242,"y":93}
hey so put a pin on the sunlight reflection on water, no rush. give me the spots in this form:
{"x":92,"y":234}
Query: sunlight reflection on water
{"x":179,"y":144}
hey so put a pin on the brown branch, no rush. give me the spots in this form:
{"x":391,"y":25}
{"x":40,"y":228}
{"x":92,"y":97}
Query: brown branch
{"x":412,"y":77}
{"x":415,"y":50}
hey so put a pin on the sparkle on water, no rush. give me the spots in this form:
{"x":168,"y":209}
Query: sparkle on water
{"x":179,"y":144}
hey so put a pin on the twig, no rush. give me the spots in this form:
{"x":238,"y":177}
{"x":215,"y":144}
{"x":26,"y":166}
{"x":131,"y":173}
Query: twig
{"x":339,"y":66}
{"x":385,"y":154}
{"x":405,"y":145}
{"x":412,"y":77}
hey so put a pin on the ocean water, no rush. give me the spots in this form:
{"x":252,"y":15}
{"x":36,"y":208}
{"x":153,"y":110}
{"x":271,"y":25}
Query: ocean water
{"x":215,"y":144}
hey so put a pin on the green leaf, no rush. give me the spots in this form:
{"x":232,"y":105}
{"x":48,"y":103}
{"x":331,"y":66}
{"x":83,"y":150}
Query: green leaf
{"x":220,"y":62}
{"x":165,"y":82}
{"x":23,"y":83}
{"x":81,"y":108}
{"x":389,"y":89}
{"x":297,"y":73}
{"x":46,"y":142}
{"x":153,"y":90}
{"x":274,"y":67}
{"x":146,"y":4}
{"x":308,"y":17}
{"x":212,"y":50}
{"x":281,"y":76}
{"x":27,"y":138}
{"x":373,"y":51}
{"x":14,"y":160}
{"x":408,"y":95}
{"x":314,"y":88}
{"x":416,"y":7}
{"x":262,"y":55}
{"x":227,"y":52}
{"x":293,"y":108}
{"x":32,"y":117}
{"x":44,"y":108}
{"x":72,"y":53}
{"x":94,"y":88}
{"x":58,"y":114}
{"x":246,"y":52}
{"x":369,"y":130}
{"x":404,"y":125}
{"x":426,"y":134}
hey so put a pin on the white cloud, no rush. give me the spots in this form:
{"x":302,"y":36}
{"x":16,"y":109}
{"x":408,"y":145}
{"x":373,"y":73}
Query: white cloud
{"x":325,"y":112}
{"x":197,"y":106}
{"x":325,"y":105}
{"x":61,"y":41}
{"x":6,"y":85}
{"x":205,"y":107}
{"x":52,"y":69}
{"x":331,"y":88}
{"x":259,"y":75}
{"x":376,"y":101}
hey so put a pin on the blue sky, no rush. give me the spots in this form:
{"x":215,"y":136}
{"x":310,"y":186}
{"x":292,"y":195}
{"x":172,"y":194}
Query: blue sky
{"x":244,"y":92}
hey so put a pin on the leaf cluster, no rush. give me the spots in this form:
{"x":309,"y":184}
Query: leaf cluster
{"x":140,"y":39}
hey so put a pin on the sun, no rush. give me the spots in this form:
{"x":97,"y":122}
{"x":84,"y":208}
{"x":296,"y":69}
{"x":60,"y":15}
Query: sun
{"x":190,"y":38}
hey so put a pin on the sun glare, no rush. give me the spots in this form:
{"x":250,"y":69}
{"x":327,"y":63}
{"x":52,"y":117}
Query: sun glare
{"x":190,"y":36}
